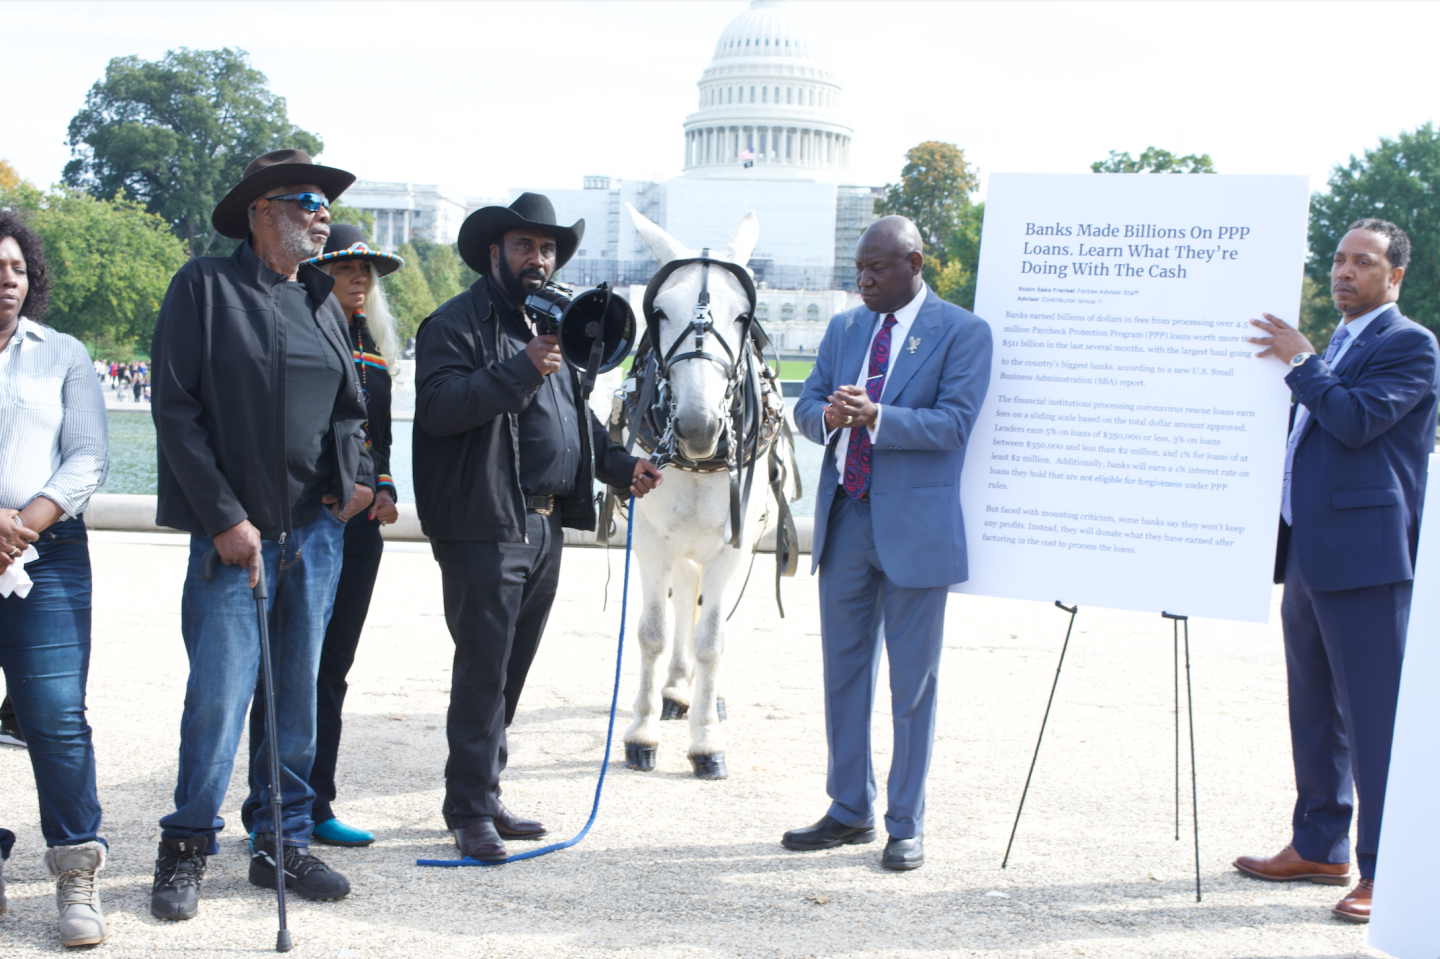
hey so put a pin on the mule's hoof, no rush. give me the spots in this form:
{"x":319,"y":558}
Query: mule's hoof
{"x":710,"y":767}
{"x":720,"y":707}
{"x":673,"y":709}
{"x":640,"y":757}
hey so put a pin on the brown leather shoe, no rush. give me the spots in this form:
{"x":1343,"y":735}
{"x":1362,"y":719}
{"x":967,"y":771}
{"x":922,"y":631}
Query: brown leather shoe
{"x":480,"y":841}
{"x":1287,"y":866}
{"x":1355,"y":907}
{"x":511,"y":826}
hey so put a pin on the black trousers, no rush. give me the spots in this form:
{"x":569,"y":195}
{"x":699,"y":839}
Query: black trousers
{"x":497,"y":600}
{"x":363,"y":549}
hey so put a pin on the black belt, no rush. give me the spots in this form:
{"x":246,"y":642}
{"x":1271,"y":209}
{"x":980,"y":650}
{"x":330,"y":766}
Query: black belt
{"x":544,"y":505}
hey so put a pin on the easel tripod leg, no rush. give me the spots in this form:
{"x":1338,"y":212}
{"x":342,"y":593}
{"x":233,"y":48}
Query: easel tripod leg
{"x":1072,"y":610}
{"x":1194,"y":794}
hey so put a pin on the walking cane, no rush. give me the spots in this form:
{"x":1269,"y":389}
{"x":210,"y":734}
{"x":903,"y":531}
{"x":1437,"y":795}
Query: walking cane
{"x":207,"y":573}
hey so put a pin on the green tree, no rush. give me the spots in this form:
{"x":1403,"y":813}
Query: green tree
{"x":364,"y":219}
{"x":441,"y":265}
{"x":409,"y":293}
{"x":933,"y":191}
{"x":1154,"y":160}
{"x":111,"y":263}
{"x":177,"y":134}
{"x":1399,"y":181}
{"x":955,"y":281}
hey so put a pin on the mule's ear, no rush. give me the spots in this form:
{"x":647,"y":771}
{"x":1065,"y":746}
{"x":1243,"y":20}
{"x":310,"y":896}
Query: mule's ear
{"x":663,"y":245}
{"x":742,"y":244}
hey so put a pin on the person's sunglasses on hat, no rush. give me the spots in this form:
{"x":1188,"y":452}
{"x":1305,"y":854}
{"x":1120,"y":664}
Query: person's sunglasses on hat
{"x":309,"y":202}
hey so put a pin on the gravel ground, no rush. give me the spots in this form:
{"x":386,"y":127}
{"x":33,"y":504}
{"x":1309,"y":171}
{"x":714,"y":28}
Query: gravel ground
{"x":676,"y":867}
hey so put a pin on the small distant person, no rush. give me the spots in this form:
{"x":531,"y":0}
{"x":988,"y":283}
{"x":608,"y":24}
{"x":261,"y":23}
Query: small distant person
{"x":893,"y":396}
{"x":53,"y":455}
{"x":506,"y":452}
{"x":258,"y":415}
{"x":357,"y":270}
{"x":1362,"y":431}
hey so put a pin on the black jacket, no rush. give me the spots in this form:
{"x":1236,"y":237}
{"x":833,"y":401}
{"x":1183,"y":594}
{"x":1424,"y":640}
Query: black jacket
{"x":218,"y":396}
{"x":374,"y":374}
{"x":470,"y":386}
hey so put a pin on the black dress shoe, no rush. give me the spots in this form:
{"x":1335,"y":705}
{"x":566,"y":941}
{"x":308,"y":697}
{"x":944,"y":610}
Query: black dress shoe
{"x":904,"y":853}
{"x":480,"y":841}
{"x":827,"y":834}
{"x":511,"y":826}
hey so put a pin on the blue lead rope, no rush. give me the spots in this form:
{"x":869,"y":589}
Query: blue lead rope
{"x":609,"y":733}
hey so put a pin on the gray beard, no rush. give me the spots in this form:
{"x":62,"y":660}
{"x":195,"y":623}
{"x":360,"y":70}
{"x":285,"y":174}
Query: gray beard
{"x":296,"y":244}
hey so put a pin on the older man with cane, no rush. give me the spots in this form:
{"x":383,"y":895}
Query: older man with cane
{"x":261,"y":457}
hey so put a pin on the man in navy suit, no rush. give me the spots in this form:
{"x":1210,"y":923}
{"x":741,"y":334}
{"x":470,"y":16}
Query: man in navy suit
{"x":894,"y":394}
{"x":1355,"y":465}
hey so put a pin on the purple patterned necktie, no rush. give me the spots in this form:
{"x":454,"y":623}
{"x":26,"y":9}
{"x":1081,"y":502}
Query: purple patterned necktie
{"x":857,"y":457}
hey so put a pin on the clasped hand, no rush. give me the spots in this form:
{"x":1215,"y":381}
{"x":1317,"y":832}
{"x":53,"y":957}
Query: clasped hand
{"x":13,"y":538}
{"x":850,"y":406}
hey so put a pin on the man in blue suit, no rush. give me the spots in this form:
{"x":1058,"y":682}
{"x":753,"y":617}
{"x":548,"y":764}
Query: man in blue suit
{"x":1355,"y":465}
{"x":894,"y":394}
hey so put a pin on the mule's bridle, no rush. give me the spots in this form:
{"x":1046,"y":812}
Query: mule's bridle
{"x":701,"y":319}
{"x":738,"y":368}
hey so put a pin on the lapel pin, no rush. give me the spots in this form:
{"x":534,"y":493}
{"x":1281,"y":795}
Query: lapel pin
{"x":914,"y":344}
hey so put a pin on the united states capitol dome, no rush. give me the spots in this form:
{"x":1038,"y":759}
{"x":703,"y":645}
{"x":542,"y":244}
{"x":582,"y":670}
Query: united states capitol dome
{"x":769,"y":89}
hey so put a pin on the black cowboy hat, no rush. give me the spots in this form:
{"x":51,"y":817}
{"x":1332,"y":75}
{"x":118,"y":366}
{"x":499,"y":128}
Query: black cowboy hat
{"x":347,"y":242}
{"x":276,"y":168}
{"x":488,"y":224}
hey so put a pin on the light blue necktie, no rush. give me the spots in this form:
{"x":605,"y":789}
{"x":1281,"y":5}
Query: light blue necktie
{"x":1302,"y":416}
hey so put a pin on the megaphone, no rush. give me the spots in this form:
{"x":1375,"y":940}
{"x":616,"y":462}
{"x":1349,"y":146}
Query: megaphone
{"x":596,"y":328}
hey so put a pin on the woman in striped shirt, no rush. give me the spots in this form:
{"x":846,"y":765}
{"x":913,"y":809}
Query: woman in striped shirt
{"x":53,"y":455}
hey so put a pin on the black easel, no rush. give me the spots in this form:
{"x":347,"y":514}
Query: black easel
{"x":1190,"y":710}
{"x":1190,"y":706}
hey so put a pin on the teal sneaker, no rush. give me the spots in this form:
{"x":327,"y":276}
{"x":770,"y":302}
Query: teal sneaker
{"x":333,"y":832}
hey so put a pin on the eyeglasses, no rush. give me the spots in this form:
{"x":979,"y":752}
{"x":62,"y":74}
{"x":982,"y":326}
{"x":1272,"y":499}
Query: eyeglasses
{"x":309,"y":202}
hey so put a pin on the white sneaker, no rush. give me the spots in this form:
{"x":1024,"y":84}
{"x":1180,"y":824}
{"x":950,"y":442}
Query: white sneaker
{"x":82,"y":923}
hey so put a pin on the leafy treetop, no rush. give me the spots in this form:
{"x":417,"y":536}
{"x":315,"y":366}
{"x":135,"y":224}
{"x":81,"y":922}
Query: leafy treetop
{"x":1154,"y":160}
{"x":934,"y":191}
{"x":177,"y":134}
{"x":1399,"y":181}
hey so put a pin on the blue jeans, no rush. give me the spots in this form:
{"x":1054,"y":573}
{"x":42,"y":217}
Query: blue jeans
{"x":222,"y":640}
{"x":45,"y":653}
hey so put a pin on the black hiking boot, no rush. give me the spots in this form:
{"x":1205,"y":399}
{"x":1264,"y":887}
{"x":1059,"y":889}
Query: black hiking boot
{"x":304,"y":874}
{"x":179,"y":868}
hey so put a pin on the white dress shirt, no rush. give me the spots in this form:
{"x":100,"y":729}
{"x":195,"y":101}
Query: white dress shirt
{"x":904,"y":317}
{"x":53,"y":433}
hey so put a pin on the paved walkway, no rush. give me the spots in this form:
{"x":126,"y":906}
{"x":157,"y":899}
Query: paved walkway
{"x":681,"y":868}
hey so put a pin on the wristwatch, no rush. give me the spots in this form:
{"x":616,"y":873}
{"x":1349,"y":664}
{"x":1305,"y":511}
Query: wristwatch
{"x":1298,"y":359}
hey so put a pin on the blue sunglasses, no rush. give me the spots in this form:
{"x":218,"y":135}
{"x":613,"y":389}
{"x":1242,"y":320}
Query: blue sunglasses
{"x":309,"y":202}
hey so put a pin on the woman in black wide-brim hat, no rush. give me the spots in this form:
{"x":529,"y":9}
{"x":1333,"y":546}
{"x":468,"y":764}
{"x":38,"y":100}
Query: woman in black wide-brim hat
{"x":357,"y":270}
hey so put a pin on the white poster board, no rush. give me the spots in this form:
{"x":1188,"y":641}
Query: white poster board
{"x":1407,"y":889}
{"x":1130,"y":451}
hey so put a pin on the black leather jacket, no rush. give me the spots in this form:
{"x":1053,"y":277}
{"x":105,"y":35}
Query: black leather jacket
{"x":218,"y":396}
{"x":470,"y":386}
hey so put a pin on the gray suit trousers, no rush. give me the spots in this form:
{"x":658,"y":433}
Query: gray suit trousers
{"x":861,"y":609}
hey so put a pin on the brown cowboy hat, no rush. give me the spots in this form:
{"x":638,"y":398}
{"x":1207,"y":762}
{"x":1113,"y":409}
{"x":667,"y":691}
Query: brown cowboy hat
{"x":266,"y":172}
{"x":488,"y":224}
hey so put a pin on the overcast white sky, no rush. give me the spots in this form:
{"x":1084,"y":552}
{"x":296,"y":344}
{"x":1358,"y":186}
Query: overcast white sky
{"x":481,"y":97}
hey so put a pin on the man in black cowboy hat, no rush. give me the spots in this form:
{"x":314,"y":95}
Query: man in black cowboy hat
{"x":258,"y":415}
{"x":505,"y":455}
